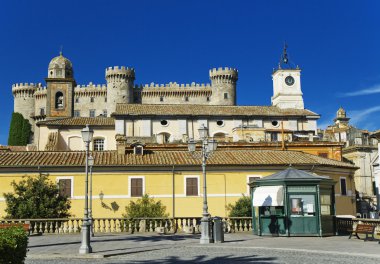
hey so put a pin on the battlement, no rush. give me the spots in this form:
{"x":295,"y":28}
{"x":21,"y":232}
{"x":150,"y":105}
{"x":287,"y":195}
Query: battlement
{"x":90,"y":85}
{"x":225,"y":73}
{"x":174,"y":85}
{"x":124,"y":71}
{"x":22,"y":87}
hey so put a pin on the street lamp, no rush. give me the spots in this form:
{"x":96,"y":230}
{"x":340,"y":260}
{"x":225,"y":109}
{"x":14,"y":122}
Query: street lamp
{"x":85,"y":247}
{"x":208,"y":147}
{"x":90,"y":164}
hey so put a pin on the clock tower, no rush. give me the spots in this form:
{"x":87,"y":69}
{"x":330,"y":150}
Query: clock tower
{"x":287,"y":84}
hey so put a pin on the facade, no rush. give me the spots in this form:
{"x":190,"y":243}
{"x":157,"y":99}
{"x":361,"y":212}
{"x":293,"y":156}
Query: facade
{"x":360,"y":149}
{"x":159,"y":172}
{"x":210,"y":103}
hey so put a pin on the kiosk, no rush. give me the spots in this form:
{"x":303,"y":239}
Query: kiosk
{"x":293,"y":203}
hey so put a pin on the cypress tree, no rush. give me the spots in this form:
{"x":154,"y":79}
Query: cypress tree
{"x":19,"y":131}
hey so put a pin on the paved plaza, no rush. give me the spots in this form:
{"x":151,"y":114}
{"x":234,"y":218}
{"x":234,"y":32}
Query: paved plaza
{"x":238,"y":248}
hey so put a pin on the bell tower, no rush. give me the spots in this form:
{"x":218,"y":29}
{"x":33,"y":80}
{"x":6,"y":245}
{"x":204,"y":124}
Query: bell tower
{"x":60,"y":88}
{"x":286,"y":78}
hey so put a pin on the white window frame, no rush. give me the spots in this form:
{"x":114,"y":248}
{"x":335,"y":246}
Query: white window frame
{"x":67,"y":178}
{"x":340,"y":186}
{"x":89,"y":113}
{"x":249,"y":176}
{"x":104,"y":143}
{"x":130,"y":185}
{"x":185,"y":185}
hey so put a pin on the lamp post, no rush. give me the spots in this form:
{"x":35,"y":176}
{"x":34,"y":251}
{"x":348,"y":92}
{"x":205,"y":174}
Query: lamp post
{"x":85,"y":247}
{"x":208,"y":147}
{"x":90,"y":164}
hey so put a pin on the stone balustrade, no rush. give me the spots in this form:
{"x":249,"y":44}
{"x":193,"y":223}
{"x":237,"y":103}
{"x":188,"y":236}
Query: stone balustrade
{"x":137,"y":225}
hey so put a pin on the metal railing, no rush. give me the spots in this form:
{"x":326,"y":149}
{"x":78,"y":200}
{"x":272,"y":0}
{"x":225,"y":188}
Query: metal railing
{"x":137,"y":225}
{"x":346,"y":225}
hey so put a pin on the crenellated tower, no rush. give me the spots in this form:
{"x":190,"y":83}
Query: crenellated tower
{"x":23,"y":94}
{"x":223,"y":83}
{"x":120,"y":83}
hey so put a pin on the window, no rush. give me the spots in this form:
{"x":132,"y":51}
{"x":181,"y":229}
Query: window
{"x":325,"y":204}
{"x":99,"y":144}
{"x":164,"y":122}
{"x":76,"y":113}
{"x":91,"y":99}
{"x":192,"y":186}
{"x":105,"y":99}
{"x":323,"y":155}
{"x":186,"y":98}
{"x":105,"y":112}
{"x":302,"y":204}
{"x":220,"y":123}
{"x":343,"y":186}
{"x":208,"y":98}
{"x":275,"y":123}
{"x":64,"y":186}
{"x":136,"y":187}
{"x":161,"y":99}
{"x":76,"y":99}
{"x":274,"y":136}
{"x":42,"y":111}
{"x":225,"y":95}
{"x":92,"y":113}
{"x":59,"y":100}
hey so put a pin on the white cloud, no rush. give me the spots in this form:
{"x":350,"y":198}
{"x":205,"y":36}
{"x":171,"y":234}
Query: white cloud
{"x":372,"y":90}
{"x":358,"y":117}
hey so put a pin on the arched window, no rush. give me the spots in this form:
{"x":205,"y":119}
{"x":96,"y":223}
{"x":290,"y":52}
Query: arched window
{"x":220,"y":137}
{"x":163,"y":138}
{"x":59,"y":103}
{"x":98,"y":144}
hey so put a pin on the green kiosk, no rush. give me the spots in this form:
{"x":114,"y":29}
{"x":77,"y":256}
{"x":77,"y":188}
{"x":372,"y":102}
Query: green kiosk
{"x":293,"y":203}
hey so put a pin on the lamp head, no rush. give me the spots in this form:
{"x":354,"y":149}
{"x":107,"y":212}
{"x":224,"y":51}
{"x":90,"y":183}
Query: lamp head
{"x":191,"y":145}
{"x":203,"y":131}
{"x":87,"y":134}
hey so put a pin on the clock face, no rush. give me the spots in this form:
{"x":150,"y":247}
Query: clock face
{"x":289,"y":80}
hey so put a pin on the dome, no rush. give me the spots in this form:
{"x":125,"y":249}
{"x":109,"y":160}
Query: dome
{"x":341,"y":112}
{"x":60,"y":67}
{"x":60,"y":62}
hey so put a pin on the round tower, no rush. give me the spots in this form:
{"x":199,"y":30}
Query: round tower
{"x":120,"y":82}
{"x":223,"y":84}
{"x":23,"y":94}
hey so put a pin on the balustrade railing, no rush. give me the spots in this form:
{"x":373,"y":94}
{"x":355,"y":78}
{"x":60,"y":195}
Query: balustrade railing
{"x":136,"y":225}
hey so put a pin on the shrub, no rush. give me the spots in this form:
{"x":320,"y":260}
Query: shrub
{"x":145,"y":207}
{"x":36,"y":197}
{"x":242,"y":208}
{"x":13,"y":245}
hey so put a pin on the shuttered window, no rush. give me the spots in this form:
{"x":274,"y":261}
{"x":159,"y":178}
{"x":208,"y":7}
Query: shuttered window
{"x":191,"y":186}
{"x":136,"y":187}
{"x":64,"y":186}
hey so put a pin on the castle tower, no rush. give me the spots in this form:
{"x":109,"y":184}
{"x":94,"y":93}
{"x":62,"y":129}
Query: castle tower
{"x":23,"y":94}
{"x":287,"y":84}
{"x":60,"y":88}
{"x":120,"y":82}
{"x":223,"y":84}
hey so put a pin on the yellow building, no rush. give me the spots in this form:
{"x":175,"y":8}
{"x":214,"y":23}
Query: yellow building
{"x":172,"y":176}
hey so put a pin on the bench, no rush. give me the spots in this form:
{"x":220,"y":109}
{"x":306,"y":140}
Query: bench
{"x":364,"y":229}
{"x":25,"y":226}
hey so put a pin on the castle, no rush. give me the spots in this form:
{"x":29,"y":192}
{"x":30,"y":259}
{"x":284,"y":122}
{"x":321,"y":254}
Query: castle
{"x":62,"y":98}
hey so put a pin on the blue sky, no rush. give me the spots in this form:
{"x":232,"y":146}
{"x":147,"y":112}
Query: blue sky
{"x":336,"y":44}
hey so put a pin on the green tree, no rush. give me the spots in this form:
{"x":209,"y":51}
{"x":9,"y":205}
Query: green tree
{"x":145,"y":207}
{"x":36,"y":197}
{"x":241,"y":208}
{"x":19,"y":131}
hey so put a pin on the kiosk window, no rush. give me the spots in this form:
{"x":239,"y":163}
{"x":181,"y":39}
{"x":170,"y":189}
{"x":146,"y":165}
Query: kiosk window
{"x":302,"y":205}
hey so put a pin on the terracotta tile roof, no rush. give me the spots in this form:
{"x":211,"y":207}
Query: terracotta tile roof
{"x":79,"y":121}
{"x":199,"y":110}
{"x":12,"y":148}
{"x":162,"y":158}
